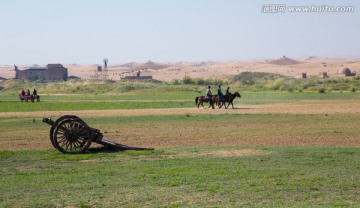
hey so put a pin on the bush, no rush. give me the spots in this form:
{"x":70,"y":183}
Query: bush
{"x":188,"y":80}
{"x":276,"y":84}
{"x":175,"y":82}
{"x":352,"y":89}
{"x":322,"y":90}
{"x":200,"y":81}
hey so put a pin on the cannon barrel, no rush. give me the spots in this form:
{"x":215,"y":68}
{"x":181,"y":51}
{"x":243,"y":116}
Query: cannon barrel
{"x":48,"y":121}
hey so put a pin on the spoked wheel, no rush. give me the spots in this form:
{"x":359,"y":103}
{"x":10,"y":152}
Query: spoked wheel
{"x":62,"y":118}
{"x":71,"y":135}
{"x":38,"y":98}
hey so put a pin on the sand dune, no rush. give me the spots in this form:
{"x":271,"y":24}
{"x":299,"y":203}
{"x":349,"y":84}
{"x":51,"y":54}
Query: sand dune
{"x":313,"y":66}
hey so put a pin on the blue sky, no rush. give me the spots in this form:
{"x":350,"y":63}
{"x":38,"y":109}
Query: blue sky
{"x":86,"y":31}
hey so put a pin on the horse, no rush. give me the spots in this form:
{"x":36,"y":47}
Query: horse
{"x":23,"y":97}
{"x":218,"y":102}
{"x":33,"y":97}
{"x":229,"y":98}
{"x":199,"y":100}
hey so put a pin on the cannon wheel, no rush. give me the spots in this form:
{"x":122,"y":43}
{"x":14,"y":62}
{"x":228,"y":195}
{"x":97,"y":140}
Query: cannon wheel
{"x":70,"y":135}
{"x":62,"y":118}
{"x":38,"y":98}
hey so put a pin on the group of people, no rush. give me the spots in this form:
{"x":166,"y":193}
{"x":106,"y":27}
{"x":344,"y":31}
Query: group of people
{"x":220,"y":94}
{"x":23,"y":93}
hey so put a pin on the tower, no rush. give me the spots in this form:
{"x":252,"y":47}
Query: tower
{"x":105,"y":71}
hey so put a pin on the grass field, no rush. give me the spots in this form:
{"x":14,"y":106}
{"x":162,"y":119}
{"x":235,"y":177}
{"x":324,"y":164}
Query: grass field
{"x":229,"y":159}
{"x":11,"y":103}
{"x":183,"y":177}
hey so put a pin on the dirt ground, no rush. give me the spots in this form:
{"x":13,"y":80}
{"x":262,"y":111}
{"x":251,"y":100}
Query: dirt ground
{"x":140,"y":137}
{"x":350,"y":106}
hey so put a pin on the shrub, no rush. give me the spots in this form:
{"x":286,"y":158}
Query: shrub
{"x":276,"y":84}
{"x":188,"y":80}
{"x":200,"y":81}
{"x":352,"y":89}
{"x":322,"y":90}
{"x":175,"y":82}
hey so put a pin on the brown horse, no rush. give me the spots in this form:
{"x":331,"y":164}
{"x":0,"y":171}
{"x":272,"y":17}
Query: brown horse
{"x":199,"y":100}
{"x":24,"y":97}
{"x":218,"y":102}
{"x":229,"y":98}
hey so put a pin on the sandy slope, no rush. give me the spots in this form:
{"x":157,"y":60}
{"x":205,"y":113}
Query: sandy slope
{"x":167,"y":72}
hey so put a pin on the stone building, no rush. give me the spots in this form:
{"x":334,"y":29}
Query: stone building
{"x":50,"y":72}
{"x":346,"y":72}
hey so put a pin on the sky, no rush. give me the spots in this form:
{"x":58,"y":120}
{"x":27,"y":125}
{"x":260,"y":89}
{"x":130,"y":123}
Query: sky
{"x":87,"y":31}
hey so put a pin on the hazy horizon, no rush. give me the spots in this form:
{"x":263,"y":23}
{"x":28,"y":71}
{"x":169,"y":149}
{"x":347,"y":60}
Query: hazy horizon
{"x":85,"y":32}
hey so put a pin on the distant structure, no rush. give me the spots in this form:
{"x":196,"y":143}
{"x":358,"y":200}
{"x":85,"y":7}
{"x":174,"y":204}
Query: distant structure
{"x":303,"y":75}
{"x":324,"y":75}
{"x":50,"y":72}
{"x":346,"y":72}
{"x":101,"y":73}
{"x":137,"y":77}
{"x":105,"y":72}
{"x":74,"y":77}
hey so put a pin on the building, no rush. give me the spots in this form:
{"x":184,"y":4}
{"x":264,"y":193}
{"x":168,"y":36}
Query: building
{"x":50,"y":72}
{"x":346,"y":72}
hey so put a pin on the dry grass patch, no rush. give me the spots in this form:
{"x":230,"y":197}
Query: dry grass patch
{"x":220,"y":153}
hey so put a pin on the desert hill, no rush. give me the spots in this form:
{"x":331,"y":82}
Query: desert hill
{"x":285,"y":61}
{"x":170,"y":71}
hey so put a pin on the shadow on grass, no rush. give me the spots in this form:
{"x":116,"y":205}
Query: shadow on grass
{"x":105,"y":149}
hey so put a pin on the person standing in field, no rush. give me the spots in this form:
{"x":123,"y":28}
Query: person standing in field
{"x":34,"y":92}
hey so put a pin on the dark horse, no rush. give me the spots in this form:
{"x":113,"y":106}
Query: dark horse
{"x":31,"y":97}
{"x":228,"y":98}
{"x":199,"y":100}
{"x":35,"y":97}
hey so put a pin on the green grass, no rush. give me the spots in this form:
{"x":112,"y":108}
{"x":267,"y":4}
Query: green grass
{"x":156,"y":96}
{"x":288,"y":176}
{"x":11,"y":106}
{"x":176,"y":99}
{"x":321,"y":176}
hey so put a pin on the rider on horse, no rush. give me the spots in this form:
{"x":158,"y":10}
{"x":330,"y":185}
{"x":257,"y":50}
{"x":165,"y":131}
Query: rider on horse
{"x":208,"y":93}
{"x":228,"y":91}
{"x":220,"y":94}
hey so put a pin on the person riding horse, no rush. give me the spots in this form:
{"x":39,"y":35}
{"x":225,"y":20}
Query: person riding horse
{"x":220,"y":94}
{"x":228,"y":91}
{"x":208,"y":94}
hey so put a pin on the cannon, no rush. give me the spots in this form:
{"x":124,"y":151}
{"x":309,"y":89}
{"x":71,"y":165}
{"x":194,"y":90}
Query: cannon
{"x":70,"y":134}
